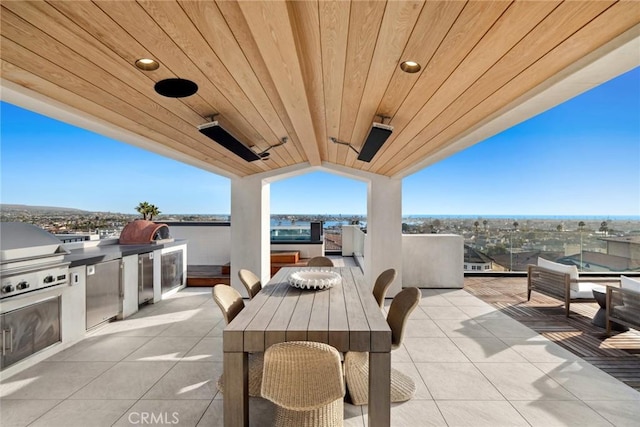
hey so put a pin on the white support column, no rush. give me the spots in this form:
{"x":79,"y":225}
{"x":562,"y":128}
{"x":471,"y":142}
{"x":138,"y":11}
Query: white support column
{"x":383,"y":244}
{"x":250,"y":224}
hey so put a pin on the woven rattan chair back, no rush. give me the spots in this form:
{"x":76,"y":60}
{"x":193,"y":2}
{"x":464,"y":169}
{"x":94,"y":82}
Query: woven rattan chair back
{"x":320,"y":261}
{"x":250,"y":281}
{"x":229,"y":300}
{"x":305,"y":381}
{"x":384,"y":280}
{"x":401,"y":307}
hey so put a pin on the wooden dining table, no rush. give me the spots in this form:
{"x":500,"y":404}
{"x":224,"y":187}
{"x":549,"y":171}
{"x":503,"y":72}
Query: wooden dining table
{"x":345,"y":316}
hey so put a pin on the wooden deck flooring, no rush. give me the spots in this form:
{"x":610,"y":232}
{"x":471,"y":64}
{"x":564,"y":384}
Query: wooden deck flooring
{"x":618,"y":355}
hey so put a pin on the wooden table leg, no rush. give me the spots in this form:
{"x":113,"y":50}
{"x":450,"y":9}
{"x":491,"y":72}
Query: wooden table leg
{"x":379,"y":389}
{"x":236,"y":389}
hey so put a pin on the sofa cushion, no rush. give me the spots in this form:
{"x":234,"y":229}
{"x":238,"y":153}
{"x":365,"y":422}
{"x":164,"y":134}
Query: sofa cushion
{"x":571,"y":270}
{"x":584,"y":290}
{"x":629,"y":283}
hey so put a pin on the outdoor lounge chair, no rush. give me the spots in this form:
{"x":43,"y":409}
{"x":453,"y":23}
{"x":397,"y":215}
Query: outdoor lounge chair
{"x":562,"y":282}
{"x":305,"y":381}
{"x":623,"y":303}
{"x":356,"y":364}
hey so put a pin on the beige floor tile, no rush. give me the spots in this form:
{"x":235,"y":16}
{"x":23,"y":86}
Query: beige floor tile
{"x":619,"y":413}
{"x":126,"y":380}
{"x":187,"y":380}
{"x":467,"y":300}
{"x":523,"y":381}
{"x":540,"y":349}
{"x":109,"y":349}
{"x":452,"y":293}
{"x":208,"y":349}
{"x":422,"y":328}
{"x":400,"y":355}
{"x":506,"y":328}
{"x":417,"y":314}
{"x":19,"y":413}
{"x":136,"y":327}
{"x":353,"y":416}
{"x":51,"y":380}
{"x":434,"y":301}
{"x":462,"y":328}
{"x":183,"y":413}
{"x":164,"y":349}
{"x":588,"y":382}
{"x":433,"y":350}
{"x":452,"y":312}
{"x":482,"y":312}
{"x":416,"y":414}
{"x":82,"y":413}
{"x":487,"y":350}
{"x":547,"y":413}
{"x":457,"y":381}
{"x":480,"y":414}
{"x":189,"y":328}
{"x":261,"y":413}
{"x":409,"y":369}
{"x":217,"y":330}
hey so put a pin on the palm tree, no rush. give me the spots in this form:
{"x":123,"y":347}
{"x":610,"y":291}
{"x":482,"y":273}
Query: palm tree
{"x":603,"y":227}
{"x":153,"y":210}
{"x":143,"y":208}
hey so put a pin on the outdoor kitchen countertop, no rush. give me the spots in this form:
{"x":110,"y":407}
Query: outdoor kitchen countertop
{"x":96,"y":254}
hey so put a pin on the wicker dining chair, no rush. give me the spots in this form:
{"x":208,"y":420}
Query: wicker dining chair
{"x":250,"y":281}
{"x":384,"y":280}
{"x":320,"y":261}
{"x":230,"y":302}
{"x":305,"y":381}
{"x":356,"y":364}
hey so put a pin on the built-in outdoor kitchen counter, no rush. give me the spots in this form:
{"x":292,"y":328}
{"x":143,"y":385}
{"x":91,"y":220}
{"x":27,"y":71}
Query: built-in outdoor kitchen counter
{"x":132,"y":275}
{"x":106,"y":281}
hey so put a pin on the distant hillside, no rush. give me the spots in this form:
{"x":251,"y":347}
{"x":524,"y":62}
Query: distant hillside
{"x":40,"y":209}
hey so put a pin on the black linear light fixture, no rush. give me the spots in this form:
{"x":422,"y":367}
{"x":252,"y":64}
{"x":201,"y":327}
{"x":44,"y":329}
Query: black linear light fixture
{"x":216,"y":132}
{"x":377,"y":136}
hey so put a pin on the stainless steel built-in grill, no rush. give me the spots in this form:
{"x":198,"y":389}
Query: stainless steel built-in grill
{"x":30,"y":259}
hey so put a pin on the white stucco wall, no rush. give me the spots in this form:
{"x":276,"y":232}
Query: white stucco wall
{"x":208,"y":244}
{"x":432,"y":260}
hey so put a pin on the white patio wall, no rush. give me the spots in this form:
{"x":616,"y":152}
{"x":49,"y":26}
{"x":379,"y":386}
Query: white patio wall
{"x":432,"y":260}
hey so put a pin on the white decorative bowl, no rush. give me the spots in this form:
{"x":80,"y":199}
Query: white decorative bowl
{"x":314,"y":279}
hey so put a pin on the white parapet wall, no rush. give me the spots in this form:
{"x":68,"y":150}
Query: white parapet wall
{"x":432,"y":260}
{"x":209,"y":243}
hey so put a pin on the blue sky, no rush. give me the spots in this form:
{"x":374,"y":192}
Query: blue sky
{"x":579,"y":158}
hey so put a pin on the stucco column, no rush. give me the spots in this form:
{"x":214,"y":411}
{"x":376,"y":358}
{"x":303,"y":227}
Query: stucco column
{"x":250,"y":225}
{"x":383,"y":244}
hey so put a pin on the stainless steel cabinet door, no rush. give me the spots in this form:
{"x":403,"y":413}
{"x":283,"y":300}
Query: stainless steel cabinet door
{"x":103,"y":292}
{"x":145,"y":277}
{"x":28,"y":330}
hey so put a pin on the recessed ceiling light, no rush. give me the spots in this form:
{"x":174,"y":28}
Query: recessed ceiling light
{"x":410,"y":67}
{"x":176,"y":88}
{"x":147,"y":64}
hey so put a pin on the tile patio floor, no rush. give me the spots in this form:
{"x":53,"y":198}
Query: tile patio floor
{"x":473,"y":366}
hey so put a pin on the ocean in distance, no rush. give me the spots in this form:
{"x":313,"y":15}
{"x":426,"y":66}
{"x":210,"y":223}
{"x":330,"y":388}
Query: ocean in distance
{"x":279,"y":221}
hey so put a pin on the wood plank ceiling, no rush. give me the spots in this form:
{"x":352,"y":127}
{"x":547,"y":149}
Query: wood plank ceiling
{"x":306,"y":70}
